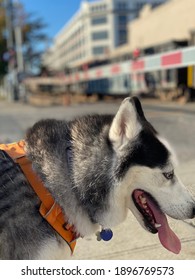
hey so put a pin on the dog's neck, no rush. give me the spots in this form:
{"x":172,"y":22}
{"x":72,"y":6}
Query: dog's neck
{"x":57,"y":178}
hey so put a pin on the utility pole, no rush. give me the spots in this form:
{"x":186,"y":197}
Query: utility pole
{"x":14,"y":47}
{"x":18,"y":38}
{"x":9,"y":23}
{"x":19,"y":53}
{"x":10,"y":47}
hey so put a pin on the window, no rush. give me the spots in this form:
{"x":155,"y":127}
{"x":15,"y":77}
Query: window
{"x":122,"y":6}
{"x":170,"y":75}
{"x":99,"y":20}
{"x":98,"y":8}
{"x":99,"y":50}
{"x":122,"y":36}
{"x":100,"y":35}
{"x":140,"y":5}
{"x":94,"y":8}
{"x":122,"y":20}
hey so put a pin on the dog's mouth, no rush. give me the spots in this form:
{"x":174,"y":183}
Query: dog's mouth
{"x":155,"y":220}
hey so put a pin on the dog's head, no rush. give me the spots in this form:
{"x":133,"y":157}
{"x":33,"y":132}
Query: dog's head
{"x":144,"y":166}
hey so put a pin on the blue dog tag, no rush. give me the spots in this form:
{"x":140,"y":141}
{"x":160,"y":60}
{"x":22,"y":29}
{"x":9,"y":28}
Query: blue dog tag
{"x":106,"y":234}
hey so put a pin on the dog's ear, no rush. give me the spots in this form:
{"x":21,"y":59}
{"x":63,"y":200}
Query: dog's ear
{"x":126,"y":123}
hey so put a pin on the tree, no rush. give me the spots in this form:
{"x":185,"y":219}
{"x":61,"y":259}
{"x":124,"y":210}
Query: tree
{"x":33,"y":35}
{"x":3,"y":47}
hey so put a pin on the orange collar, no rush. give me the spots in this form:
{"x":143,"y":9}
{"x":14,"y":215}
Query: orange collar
{"x":49,"y":209}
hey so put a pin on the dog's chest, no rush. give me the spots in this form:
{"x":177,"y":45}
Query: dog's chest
{"x":52,"y":249}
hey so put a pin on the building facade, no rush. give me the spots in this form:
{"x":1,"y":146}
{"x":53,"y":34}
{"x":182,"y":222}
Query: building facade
{"x":93,"y":33}
{"x":175,"y":20}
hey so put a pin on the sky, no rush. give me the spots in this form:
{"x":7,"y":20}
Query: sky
{"x":55,"y":13}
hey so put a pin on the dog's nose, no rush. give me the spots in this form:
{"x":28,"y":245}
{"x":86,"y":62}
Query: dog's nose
{"x":194,"y":212}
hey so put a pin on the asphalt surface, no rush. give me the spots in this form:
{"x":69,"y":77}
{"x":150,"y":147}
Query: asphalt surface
{"x":173,"y":121}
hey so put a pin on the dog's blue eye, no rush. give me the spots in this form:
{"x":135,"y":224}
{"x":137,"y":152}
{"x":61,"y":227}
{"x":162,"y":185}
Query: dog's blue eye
{"x":169,"y":175}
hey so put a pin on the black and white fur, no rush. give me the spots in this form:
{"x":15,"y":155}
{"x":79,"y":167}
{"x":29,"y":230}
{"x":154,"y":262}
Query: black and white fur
{"x":91,"y":166}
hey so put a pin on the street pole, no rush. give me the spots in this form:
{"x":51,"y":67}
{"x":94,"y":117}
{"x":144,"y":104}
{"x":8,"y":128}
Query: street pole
{"x":10,"y":47}
{"x":18,"y":41}
{"x":19,"y":54}
{"x":9,"y":23}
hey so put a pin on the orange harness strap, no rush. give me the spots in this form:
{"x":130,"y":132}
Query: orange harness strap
{"x":49,"y":209}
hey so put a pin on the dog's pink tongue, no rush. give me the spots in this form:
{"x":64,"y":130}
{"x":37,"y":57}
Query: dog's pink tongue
{"x":166,"y":236}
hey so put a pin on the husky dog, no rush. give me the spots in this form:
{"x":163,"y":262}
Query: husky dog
{"x":96,"y":167}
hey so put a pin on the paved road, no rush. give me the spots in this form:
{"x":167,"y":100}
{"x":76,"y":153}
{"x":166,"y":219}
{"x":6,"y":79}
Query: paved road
{"x":130,"y":241}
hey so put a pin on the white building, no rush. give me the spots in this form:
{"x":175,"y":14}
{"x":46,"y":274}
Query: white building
{"x":93,"y":32}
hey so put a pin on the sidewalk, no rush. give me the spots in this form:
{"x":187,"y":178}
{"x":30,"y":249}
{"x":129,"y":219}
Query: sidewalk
{"x":169,"y":106}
